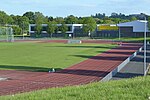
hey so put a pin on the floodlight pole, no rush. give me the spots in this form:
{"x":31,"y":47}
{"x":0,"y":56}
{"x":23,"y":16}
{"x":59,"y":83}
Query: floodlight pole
{"x":119,"y":36}
{"x":145,"y":25}
{"x":119,"y":33}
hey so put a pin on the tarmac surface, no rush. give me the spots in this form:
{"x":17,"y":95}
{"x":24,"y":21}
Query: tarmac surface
{"x":135,"y":67}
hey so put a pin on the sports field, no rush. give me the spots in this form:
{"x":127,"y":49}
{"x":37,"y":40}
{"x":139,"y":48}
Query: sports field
{"x":44,"y":56}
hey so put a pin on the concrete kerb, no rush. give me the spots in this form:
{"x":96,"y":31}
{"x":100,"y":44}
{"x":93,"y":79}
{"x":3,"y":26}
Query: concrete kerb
{"x":148,"y":69}
{"x":118,"y":68}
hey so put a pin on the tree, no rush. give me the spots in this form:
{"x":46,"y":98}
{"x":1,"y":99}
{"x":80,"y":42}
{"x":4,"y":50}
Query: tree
{"x":39,"y":20}
{"x":5,"y":19}
{"x":133,"y":18}
{"x":40,"y":17}
{"x":63,"y":29}
{"x":116,"y":20}
{"x":89,"y":25}
{"x":123,"y":20}
{"x":59,"y":20}
{"x":30,"y":16}
{"x":149,"y":22}
{"x":50,"y":18}
{"x":38,"y":29}
{"x":98,"y":15}
{"x":51,"y":27}
{"x":108,"y":20}
{"x":16,"y":30}
{"x":15,"y":19}
{"x":71,"y":20}
{"x":24,"y":23}
{"x":80,"y":20}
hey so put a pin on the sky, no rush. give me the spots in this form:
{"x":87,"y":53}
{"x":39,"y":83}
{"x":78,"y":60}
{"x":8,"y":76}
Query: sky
{"x":62,"y":8}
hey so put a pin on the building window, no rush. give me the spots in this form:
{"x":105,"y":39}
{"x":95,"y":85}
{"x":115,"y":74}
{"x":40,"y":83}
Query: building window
{"x":32,"y":28}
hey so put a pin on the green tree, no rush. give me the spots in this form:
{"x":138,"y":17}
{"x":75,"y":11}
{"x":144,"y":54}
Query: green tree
{"x":50,"y":18}
{"x":51,"y":27}
{"x":24,"y":23}
{"x":30,"y":16}
{"x":59,"y":20}
{"x":15,"y":19}
{"x":16,"y":30}
{"x":149,"y":22}
{"x":63,"y":29}
{"x":116,"y":20}
{"x":39,"y":20}
{"x":71,"y":20}
{"x":5,"y":19}
{"x":80,"y":20}
{"x":133,"y":18}
{"x":89,"y":25}
{"x":124,"y":20}
{"x":38,"y":29}
{"x":98,"y":21}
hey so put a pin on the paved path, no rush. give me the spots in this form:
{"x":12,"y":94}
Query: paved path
{"x":135,"y":67}
{"x":90,"y":70}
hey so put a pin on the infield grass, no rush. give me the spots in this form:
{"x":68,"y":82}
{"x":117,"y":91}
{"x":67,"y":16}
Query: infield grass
{"x":44,"y":56}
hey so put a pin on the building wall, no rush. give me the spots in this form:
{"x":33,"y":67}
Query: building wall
{"x":107,"y":33}
{"x":72,"y":28}
{"x":138,"y":25}
{"x":106,"y":30}
{"x":126,"y":31}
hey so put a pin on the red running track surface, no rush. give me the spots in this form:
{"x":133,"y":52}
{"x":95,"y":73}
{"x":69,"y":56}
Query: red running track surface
{"x":91,"y":70}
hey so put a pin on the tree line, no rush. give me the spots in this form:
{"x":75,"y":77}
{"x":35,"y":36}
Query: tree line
{"x":20,"y":24}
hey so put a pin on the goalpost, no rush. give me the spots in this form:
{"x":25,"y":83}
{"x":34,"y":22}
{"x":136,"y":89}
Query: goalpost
{"x":6,"y":34}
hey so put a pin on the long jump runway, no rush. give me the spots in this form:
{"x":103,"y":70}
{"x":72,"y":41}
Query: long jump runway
{"x":91,"y":70}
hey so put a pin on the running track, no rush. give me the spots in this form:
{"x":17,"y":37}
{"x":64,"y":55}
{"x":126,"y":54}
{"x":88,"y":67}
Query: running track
{"x":90,"y":70}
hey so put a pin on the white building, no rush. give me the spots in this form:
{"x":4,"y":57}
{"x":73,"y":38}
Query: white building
{"x":71,"y":28}
{"x":138,"y":25}
{"x":134,"y":28}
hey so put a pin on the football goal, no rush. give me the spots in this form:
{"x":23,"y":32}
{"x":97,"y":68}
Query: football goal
{"x":6,"y":34}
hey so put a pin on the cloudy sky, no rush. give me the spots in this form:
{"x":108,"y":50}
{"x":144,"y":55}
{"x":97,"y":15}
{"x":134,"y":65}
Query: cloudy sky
{"x":75,"y":7}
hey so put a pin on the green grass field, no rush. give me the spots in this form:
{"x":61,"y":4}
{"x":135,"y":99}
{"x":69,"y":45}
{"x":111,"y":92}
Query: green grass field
{"x":130,"y":89}
{"x":133,"y":39}
{"x":43,"y":56}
